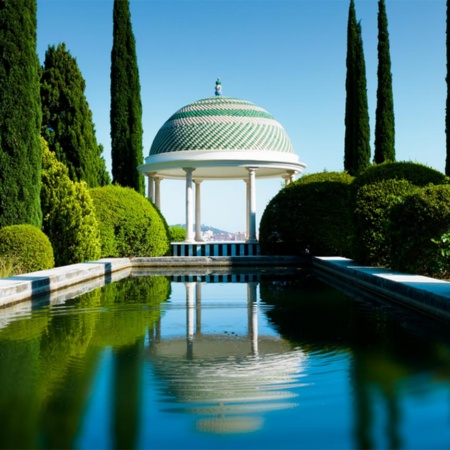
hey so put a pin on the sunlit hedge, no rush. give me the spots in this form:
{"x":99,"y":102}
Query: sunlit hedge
{"x":129,"y":224}
{"x":310,"y":216}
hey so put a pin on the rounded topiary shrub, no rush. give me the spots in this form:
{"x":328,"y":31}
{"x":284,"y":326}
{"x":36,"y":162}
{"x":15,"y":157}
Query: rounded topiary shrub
{"x":416,"y":226}
{"x":25,"y":247}
{"x":129,"y":224}
{"x":177,"y":233}
{"x":310,"y":216}
{"x":417,"y":174}
{"x":371,"y":209}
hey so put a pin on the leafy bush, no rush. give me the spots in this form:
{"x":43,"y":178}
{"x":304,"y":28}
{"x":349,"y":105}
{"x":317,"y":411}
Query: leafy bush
{"x":416,"y":226}
{"x":311,"y":215}
{"x":129,"y":224}
{"x":26,"y":248}
{"x":177,"y":233}
{"x":417,"y":174}
{"x":69,"y":216}
{"x":372,"y":205}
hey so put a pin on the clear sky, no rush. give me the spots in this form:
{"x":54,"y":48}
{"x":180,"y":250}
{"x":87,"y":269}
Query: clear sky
{"x":287,"y":56}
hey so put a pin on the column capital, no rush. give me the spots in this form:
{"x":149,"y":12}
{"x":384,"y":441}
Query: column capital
{"x":188,"y":169}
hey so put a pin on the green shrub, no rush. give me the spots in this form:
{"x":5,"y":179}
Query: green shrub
{"x":416,"y":226}
{"x":129,"y":224}
{"x":177,"y":233}
{"x":417,"y":174}
{"x":311,"y":215}
{"x":371,"y":209}
{"x":69,"y":216}
{"x":26,"y":248}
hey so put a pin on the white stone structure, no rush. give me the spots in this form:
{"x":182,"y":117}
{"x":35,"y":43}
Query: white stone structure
{"x":219,"y":138}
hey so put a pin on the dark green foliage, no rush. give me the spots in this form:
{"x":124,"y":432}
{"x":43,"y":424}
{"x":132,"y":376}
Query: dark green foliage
{"x":177,"y":233}
{"x":126,"y":107}
{"x":20,"y":115}
{"x":384,"y":115}
{"x":447,"y":108}
{"x":312,"y":215}
{"x":372,"y":205}
{"x":67,"y":124}
{"x":69,"y":216}
{"x":28,"y":246}
{"x":129,"y":224}
{"x":357,"y":129}
{"x":415,"y":173}
{"x":415,"y":223}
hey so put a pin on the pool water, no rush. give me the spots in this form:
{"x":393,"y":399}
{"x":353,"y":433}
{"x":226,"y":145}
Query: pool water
{"x":278,"y":362}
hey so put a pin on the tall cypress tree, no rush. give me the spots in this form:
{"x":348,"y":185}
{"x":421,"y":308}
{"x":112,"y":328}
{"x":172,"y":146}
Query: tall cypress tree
{"x":447,"y":109}
{"x":20,"y":115}
{"x":67,"y":124}
{"x":357,"y":128}
{"x":384,"y":115}
{"x":126,"y":106}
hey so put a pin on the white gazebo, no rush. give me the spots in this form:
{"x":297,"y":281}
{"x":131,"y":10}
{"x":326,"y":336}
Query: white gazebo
{"x":219,"y":138}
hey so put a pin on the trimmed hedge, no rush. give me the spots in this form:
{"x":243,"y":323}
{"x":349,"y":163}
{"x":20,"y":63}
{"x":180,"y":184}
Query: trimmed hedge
{"x":414,"y":224}
{"x":310,"y":216}
{"x":177,"y":233}
{"x":27,"y":247}
{"x":417,"y":174}
{"x":129,"y":224}
{"x":371,"y":210}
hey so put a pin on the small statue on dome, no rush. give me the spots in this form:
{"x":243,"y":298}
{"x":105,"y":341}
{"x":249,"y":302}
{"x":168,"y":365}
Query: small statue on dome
{"x":218,"y":87}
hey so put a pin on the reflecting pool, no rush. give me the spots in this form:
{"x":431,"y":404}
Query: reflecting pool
{"x":261,"y":361}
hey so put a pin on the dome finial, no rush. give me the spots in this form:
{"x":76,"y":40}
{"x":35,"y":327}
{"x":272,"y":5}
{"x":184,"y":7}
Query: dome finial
{"x":218,"y":87}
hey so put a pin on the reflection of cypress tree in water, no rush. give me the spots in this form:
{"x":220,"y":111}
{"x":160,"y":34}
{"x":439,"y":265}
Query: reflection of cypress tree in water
{"x":127,"y":394}
{"x":384,"y":350}
{"x":19,"y":392}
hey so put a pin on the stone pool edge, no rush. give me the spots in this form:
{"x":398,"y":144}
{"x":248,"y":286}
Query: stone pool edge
{"x":428,"y":295}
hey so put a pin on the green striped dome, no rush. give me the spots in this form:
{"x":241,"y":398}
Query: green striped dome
{"x":221,"y":123}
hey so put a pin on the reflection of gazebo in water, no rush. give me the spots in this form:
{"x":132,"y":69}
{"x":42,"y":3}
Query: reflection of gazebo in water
{"x":219,"y":138}
{"x":228,"y":379}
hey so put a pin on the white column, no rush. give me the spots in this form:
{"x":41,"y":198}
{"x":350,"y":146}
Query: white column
{"x":289,"y":177}
{"x":198,"y":219}
{"x":158,"y":192}
{"x":247,"y":210}
{"x":151,"y":186}
{"x":252,"y":204}
{"x":189,"y":206}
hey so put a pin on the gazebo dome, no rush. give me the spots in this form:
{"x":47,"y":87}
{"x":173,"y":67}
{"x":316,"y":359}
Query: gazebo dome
{"x":221,"y":137}
{"x":221,"y":124}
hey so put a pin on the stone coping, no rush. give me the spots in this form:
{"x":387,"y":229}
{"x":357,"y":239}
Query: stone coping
{"x":427,"y":295}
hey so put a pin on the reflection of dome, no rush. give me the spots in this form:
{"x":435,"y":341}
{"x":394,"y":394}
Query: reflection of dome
{"x":222,"y":378}
{"x":220,"y":137}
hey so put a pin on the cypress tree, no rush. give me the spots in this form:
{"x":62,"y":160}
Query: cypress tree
{"x":384,"y":116}
{"x":357,"y":128}
{"x":126,"y":107}
{"x":350,"y":88}
{"x":447,"y":109}
{"x":20,"y":115}
{"x":67,"y":124}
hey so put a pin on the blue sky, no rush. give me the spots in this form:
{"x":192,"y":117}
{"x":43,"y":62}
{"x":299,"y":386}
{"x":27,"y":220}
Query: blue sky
{"x":287,"y":56}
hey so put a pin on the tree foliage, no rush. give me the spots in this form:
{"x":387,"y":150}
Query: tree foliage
{"x":67,"y":123}
{"x":357,"y":128}
{"x":20,"y":115}
{"x":69,"y":216}
{"x":126,"y":106}
{"x":447,"y":109}
{"x":384,"y":115}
